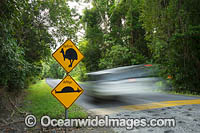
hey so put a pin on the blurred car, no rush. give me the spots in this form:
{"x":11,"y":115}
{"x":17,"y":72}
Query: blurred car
{"x":110,"y":83}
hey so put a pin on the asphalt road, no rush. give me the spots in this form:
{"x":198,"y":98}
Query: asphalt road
{"x":185,"y":109}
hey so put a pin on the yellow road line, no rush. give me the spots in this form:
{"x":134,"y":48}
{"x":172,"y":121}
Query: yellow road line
{"x":161,"y":104}
{"x":107,"y":111}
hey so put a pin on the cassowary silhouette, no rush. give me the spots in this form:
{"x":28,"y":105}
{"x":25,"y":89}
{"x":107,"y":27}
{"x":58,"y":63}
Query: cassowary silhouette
{"x":68,"y":89}
{"x":70,"y":54}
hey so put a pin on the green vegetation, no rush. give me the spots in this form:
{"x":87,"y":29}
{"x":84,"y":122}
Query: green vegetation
{"x":53,"y":69}
{"x":39,"y":102}
{"x":114,"y":35}
{"x":28,"y":32}
{"x":173,"y":30}
{"x":117,"y":33}
{"x":127,"y":32}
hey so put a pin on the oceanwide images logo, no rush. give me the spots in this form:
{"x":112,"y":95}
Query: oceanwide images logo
{"x":106,"y":121}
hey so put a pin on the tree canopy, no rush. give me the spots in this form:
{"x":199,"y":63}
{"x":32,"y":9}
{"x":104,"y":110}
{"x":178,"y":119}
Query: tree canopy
{"x":165,"y":32}
{"x":117,"y":33}
{"x":29,"y":30}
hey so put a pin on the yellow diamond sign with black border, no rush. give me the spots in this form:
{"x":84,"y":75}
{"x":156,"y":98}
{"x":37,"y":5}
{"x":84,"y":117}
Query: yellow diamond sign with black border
{"x":67,"y":91}
{"x":68,"y":55}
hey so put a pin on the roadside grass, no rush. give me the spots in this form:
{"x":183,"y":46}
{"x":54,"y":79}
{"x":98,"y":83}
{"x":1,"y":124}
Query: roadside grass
{"x":182,"y":93}
{"x":40,"y":102}
{"x":171,"y":91}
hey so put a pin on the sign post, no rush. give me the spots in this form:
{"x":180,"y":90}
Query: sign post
{"x":67,"y":91}
{"x":66,"y":113}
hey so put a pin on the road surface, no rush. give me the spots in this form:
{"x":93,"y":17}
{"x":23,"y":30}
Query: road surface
{"x":185,"y":110}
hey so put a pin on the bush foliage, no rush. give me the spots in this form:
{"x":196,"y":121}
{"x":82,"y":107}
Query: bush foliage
{"x":28,"y":29}
{"x":165,"y":32}
{"x":117,"y":33}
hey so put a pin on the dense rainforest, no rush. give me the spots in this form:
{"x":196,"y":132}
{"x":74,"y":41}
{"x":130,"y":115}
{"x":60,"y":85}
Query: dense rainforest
{"x":117,"y":33}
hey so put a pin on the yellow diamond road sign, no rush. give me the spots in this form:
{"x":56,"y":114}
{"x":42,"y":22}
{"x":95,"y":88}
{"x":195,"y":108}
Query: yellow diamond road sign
{"x":68,"y":55}
{"x":67,"y":91}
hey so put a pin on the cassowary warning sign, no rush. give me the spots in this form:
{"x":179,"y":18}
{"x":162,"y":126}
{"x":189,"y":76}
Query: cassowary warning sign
{"x":68,"y":55}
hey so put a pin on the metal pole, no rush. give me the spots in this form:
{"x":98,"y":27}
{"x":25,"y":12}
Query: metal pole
{"x":66,"y":116}
{"x":66,"y":113}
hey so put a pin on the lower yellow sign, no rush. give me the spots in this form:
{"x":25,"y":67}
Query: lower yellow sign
{"x":67,"y":91}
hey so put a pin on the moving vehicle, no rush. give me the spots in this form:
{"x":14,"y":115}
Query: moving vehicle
{"x":110,"y":83}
